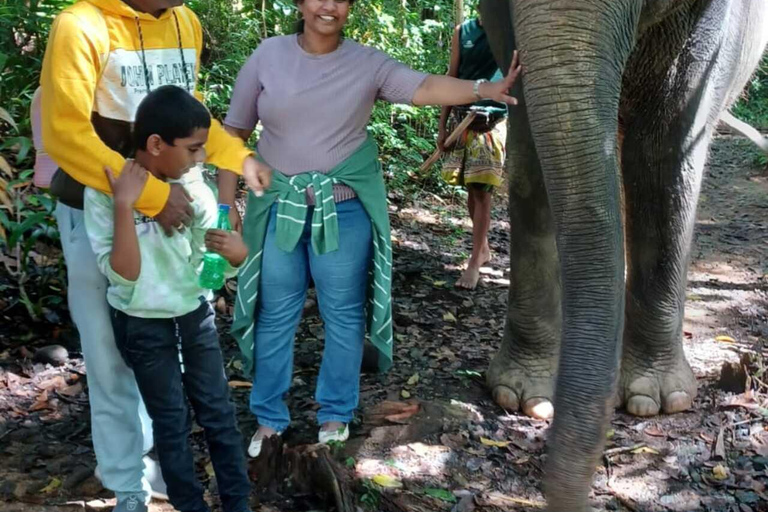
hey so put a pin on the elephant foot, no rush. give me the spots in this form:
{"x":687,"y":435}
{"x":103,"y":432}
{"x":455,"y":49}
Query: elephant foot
{"x":516,"y":387}
{"x":648,"y":387}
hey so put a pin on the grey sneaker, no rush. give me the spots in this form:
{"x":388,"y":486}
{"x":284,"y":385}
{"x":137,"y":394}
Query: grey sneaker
{"x":132,"y":503}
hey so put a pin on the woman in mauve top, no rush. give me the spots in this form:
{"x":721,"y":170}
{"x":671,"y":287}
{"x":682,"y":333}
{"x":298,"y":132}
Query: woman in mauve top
{"x":314,"y":93}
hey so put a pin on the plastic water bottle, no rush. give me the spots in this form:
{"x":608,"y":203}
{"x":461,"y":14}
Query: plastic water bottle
{"x":214,"y":265}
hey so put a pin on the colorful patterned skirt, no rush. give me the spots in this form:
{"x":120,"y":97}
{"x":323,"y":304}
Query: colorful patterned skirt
{"x":477,"y":160}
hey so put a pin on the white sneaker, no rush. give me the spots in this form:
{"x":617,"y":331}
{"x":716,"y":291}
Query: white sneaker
{"x":254,"y":449}
{"x":339,"y":435}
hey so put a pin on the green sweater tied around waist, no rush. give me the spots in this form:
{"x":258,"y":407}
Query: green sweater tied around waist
{"x":361,"y":172}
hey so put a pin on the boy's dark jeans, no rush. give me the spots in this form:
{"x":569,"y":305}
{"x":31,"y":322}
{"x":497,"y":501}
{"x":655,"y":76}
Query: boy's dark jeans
{"x":151,"y":348}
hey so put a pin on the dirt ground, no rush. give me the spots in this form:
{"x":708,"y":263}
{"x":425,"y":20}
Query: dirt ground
{"x":460,"y":452}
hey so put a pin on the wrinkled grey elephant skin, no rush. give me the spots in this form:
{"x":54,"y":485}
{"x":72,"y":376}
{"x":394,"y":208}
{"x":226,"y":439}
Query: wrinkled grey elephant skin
{"x":605,"y":154}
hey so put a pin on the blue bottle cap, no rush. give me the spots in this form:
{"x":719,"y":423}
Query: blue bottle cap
{"x":224,"y":208}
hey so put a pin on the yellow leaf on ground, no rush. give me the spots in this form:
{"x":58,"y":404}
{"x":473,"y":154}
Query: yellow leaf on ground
{"x":438,"y":283}
{"x":720,"y":472}
{"x":55,"y":484}
{"x":645,"y":449}
{"x":448,"y":317}
{"x":725,"y":339}
{"x":240,"y":384}
{"x":387,"y":481}
{"x":405,"y":394}
{"x":413,"y":380}
{"x":491,"y":442}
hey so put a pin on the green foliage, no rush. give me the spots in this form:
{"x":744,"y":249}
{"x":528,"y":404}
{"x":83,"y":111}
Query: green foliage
{"x":24,"y":27}
{"x":370,"y":495}
{"x":415,"y":32}
{"x":32,"y":272}
{"x":440,"y":494}
{"x":753,"y":105}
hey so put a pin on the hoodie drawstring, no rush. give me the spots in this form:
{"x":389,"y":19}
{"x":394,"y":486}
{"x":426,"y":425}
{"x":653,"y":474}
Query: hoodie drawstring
{"x":181,"y":52}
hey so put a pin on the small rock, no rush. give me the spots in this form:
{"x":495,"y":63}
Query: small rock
{"x":55,"y":355}
{"x":474,"y":464}
{"x":466,"y":504}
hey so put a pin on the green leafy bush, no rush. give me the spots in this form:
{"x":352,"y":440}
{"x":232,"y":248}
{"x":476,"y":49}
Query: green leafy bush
{"x":416,"y":32}
{"x":753,"y":105}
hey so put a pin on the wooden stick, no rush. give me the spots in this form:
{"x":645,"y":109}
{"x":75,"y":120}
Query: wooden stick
{"x":624,"y":449}
{"x":450,"y":140}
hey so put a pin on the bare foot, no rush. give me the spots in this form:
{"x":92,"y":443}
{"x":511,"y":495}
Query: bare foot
{"x":471,"y":275}
{"x":469,"y":278}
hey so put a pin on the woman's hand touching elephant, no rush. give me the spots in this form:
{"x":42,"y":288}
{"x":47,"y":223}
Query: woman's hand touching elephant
{"x":499,"y":91}
{"x":447,"y":90}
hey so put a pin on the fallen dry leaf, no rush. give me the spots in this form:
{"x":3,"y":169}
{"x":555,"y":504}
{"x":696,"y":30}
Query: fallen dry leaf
{"x":413,"y":380}
{"x":405,"y":394}
{"x":725,"y":339}
{"x":73,"y":390}
{"x":387,"y":481}
{"x":645,"y":449}
{"x":719,"y":451}
{"x":491,"y":442}
{"x":448,"y":317}
{"x":55,"y":484}
{"x":41,"y":403}
{"x":655,"y":431}
{"x":56,"y":382}
{"x":720,"y":472}
{"x":406,"y":413}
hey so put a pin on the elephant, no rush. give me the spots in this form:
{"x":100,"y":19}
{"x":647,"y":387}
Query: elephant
{"x":605,"y":154}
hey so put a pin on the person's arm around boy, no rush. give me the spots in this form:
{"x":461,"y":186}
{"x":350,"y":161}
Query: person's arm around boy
{"x":70,"y":75}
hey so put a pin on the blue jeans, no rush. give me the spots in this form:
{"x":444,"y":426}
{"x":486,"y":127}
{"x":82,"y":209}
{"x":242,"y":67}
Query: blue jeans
{"x":341,"y":281}
{"x":120,"y":427}
{"x":178,"y":361}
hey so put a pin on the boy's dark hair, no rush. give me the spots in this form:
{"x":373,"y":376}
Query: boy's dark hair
{"x":170,"y":112}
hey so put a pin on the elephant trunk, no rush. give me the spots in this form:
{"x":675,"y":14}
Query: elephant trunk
{"x":573,"y":55}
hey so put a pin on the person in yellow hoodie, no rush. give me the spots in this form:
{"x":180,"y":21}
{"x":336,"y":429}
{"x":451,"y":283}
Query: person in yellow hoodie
{"x":103,"y":57}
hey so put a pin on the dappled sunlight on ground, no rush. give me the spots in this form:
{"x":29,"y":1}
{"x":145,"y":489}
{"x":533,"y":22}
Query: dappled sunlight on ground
{"x":713,"y":458}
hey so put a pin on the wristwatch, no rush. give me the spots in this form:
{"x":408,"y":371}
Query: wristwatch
{"x":476,"y":87}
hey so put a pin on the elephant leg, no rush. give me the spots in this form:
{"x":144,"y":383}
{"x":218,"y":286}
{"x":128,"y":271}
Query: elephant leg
{"x":521,"y":375}
{"x":668,"y":126}
{"x":660,"y":206}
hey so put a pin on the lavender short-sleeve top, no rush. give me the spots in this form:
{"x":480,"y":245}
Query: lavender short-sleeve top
{"x":314,"y":109}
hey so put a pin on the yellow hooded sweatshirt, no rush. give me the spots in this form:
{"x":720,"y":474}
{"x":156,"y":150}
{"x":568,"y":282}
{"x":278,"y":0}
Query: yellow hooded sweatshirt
{"x":101,"y":58}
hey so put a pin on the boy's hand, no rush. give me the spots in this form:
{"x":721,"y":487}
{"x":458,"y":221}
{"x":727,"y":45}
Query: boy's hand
{"x":177,"y":212}
{"x":127,"y":187}
{"x":227,"y":243}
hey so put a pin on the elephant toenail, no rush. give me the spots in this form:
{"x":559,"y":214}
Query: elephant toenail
{"x":539,"y":408}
